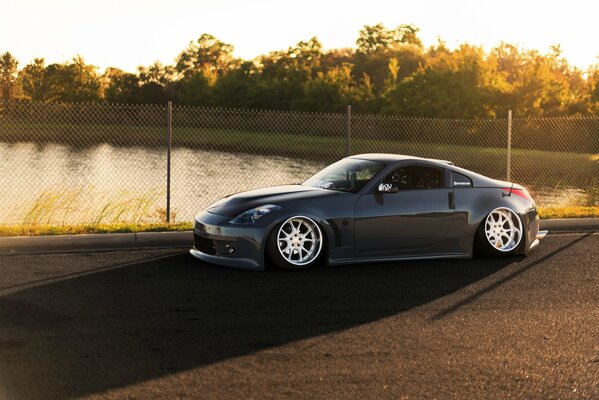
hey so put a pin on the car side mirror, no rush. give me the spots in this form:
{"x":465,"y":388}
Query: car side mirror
{"x":387,"y":188}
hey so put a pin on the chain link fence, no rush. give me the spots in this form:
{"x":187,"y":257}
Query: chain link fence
{"x":103,"y":163}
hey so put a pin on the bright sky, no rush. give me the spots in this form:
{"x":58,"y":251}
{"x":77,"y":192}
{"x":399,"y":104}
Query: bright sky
{"x":128,"y":33}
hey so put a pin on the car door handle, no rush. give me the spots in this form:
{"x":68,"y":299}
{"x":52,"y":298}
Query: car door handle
{"x":451,"y":199}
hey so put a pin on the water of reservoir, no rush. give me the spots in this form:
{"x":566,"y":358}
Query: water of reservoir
{"x":55,"y":184}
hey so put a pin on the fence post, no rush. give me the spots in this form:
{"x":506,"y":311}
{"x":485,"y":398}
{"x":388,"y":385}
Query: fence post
{"x":169,"y":119}
{"x":509,"y":145}
{"x":348,"y":131}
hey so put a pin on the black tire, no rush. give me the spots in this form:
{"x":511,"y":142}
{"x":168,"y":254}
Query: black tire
{"x":276,"y":256}
{"x":482,"y":244}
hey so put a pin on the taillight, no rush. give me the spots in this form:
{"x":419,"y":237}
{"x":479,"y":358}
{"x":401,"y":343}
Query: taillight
{"x":518,"y":192}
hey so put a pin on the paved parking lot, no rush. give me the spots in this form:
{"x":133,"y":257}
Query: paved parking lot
{"x":159,"y":324}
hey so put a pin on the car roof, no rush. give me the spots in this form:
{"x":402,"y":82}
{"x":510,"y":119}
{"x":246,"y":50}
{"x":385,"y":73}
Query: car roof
{"x":389,"y":158}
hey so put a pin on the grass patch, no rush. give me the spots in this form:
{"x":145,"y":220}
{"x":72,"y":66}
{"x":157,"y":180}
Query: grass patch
{"x":568,"y":212}
{"x":43,"y":230}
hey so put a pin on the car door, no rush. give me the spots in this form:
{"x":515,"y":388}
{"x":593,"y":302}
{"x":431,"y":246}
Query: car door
{"x":412,"y":211}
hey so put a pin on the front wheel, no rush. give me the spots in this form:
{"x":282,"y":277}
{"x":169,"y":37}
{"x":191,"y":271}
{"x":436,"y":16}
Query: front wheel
{"x":499,"y":234}
{"x":295,"y":244}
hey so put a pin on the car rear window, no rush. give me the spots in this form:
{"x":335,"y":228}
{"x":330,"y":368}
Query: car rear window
{"x":460,"y":181}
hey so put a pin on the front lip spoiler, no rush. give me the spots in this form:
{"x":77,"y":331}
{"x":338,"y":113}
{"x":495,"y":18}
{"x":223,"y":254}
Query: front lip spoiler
{"x":240,"y":263}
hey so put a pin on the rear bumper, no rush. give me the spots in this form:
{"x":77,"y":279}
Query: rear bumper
{"x":531,"y":223}
{"x":540,"y":235}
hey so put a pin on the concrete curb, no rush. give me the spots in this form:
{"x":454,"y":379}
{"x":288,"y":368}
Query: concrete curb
{"x":154,"y":240}
{"x":570,"y":224}
{"x":94,"y":242}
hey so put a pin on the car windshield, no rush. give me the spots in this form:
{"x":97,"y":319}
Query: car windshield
{"x":347,"y":175}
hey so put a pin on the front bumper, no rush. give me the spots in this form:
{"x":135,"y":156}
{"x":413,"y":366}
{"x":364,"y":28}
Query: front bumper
{"x":231,"y":245}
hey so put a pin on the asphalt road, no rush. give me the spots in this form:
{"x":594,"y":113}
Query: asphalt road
{"x":159,"y":324}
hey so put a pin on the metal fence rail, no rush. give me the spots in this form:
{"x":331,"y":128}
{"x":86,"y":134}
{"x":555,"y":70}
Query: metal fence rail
{"x":106,"y":163}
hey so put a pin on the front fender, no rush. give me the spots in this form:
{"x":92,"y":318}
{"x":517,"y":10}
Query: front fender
{"x":325,"y":227}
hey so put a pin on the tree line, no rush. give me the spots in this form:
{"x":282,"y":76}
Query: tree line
{"x":389,"y":72}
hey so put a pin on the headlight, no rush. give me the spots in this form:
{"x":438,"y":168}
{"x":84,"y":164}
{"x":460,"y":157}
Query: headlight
{"x":254,"y":214}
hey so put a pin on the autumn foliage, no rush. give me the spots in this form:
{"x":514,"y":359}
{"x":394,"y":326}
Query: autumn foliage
{"x":389,"y":72}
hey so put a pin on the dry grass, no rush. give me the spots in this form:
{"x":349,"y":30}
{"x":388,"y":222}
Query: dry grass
{"x":69,"y":206}
{"x":58,"y":212}
{"x":50,"y":206}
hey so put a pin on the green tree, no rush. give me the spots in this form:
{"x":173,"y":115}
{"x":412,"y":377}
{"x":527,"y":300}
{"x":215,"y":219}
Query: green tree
{"x":86,"y":83}
{"x":593,"y":88}
{"x":75,"y":81}
{"x":155,"y":83}
{"x":533,"y":84}
{"x":373,"y":38}
{"x":306,"y":56}
{"x":237,"y":88}
{"x":121,"y":87}
{"x":378,"y":46}
{"x":283,"y":75}
{"x":336,"y":58}
{"x":8,"y":76}
{"x":196,"y":90}
{"x":207,"y":54}
{"x":156,"y":73}
{"x":388,"y":72}
{"x":333,"y":90}
{"x":330,"y":91}
{"x":34,"y":80}
{"x":453,"y":84}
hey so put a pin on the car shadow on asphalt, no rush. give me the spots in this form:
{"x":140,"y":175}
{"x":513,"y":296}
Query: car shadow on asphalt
{"x":132,"y":324}
{"x":512,"y":275}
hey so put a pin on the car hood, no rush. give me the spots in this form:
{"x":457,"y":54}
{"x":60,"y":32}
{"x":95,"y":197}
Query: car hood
{"x":233,"y":205}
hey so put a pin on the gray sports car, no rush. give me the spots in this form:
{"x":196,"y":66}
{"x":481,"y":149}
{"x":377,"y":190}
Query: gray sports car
{"x":367,"y":208}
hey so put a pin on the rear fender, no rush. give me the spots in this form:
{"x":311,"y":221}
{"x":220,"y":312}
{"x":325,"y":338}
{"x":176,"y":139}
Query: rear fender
{"x":474,"y":204}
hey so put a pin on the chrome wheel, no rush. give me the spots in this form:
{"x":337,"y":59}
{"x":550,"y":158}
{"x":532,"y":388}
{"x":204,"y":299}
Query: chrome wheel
{"x":299,"y":241}
{"x":503,"y":229}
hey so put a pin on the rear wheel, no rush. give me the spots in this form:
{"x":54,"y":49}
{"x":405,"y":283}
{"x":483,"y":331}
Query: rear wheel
{"x":295,"y":244}
{"x":500,"y":233}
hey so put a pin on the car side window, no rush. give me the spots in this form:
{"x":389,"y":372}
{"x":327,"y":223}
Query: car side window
{"x":416,"y":177}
